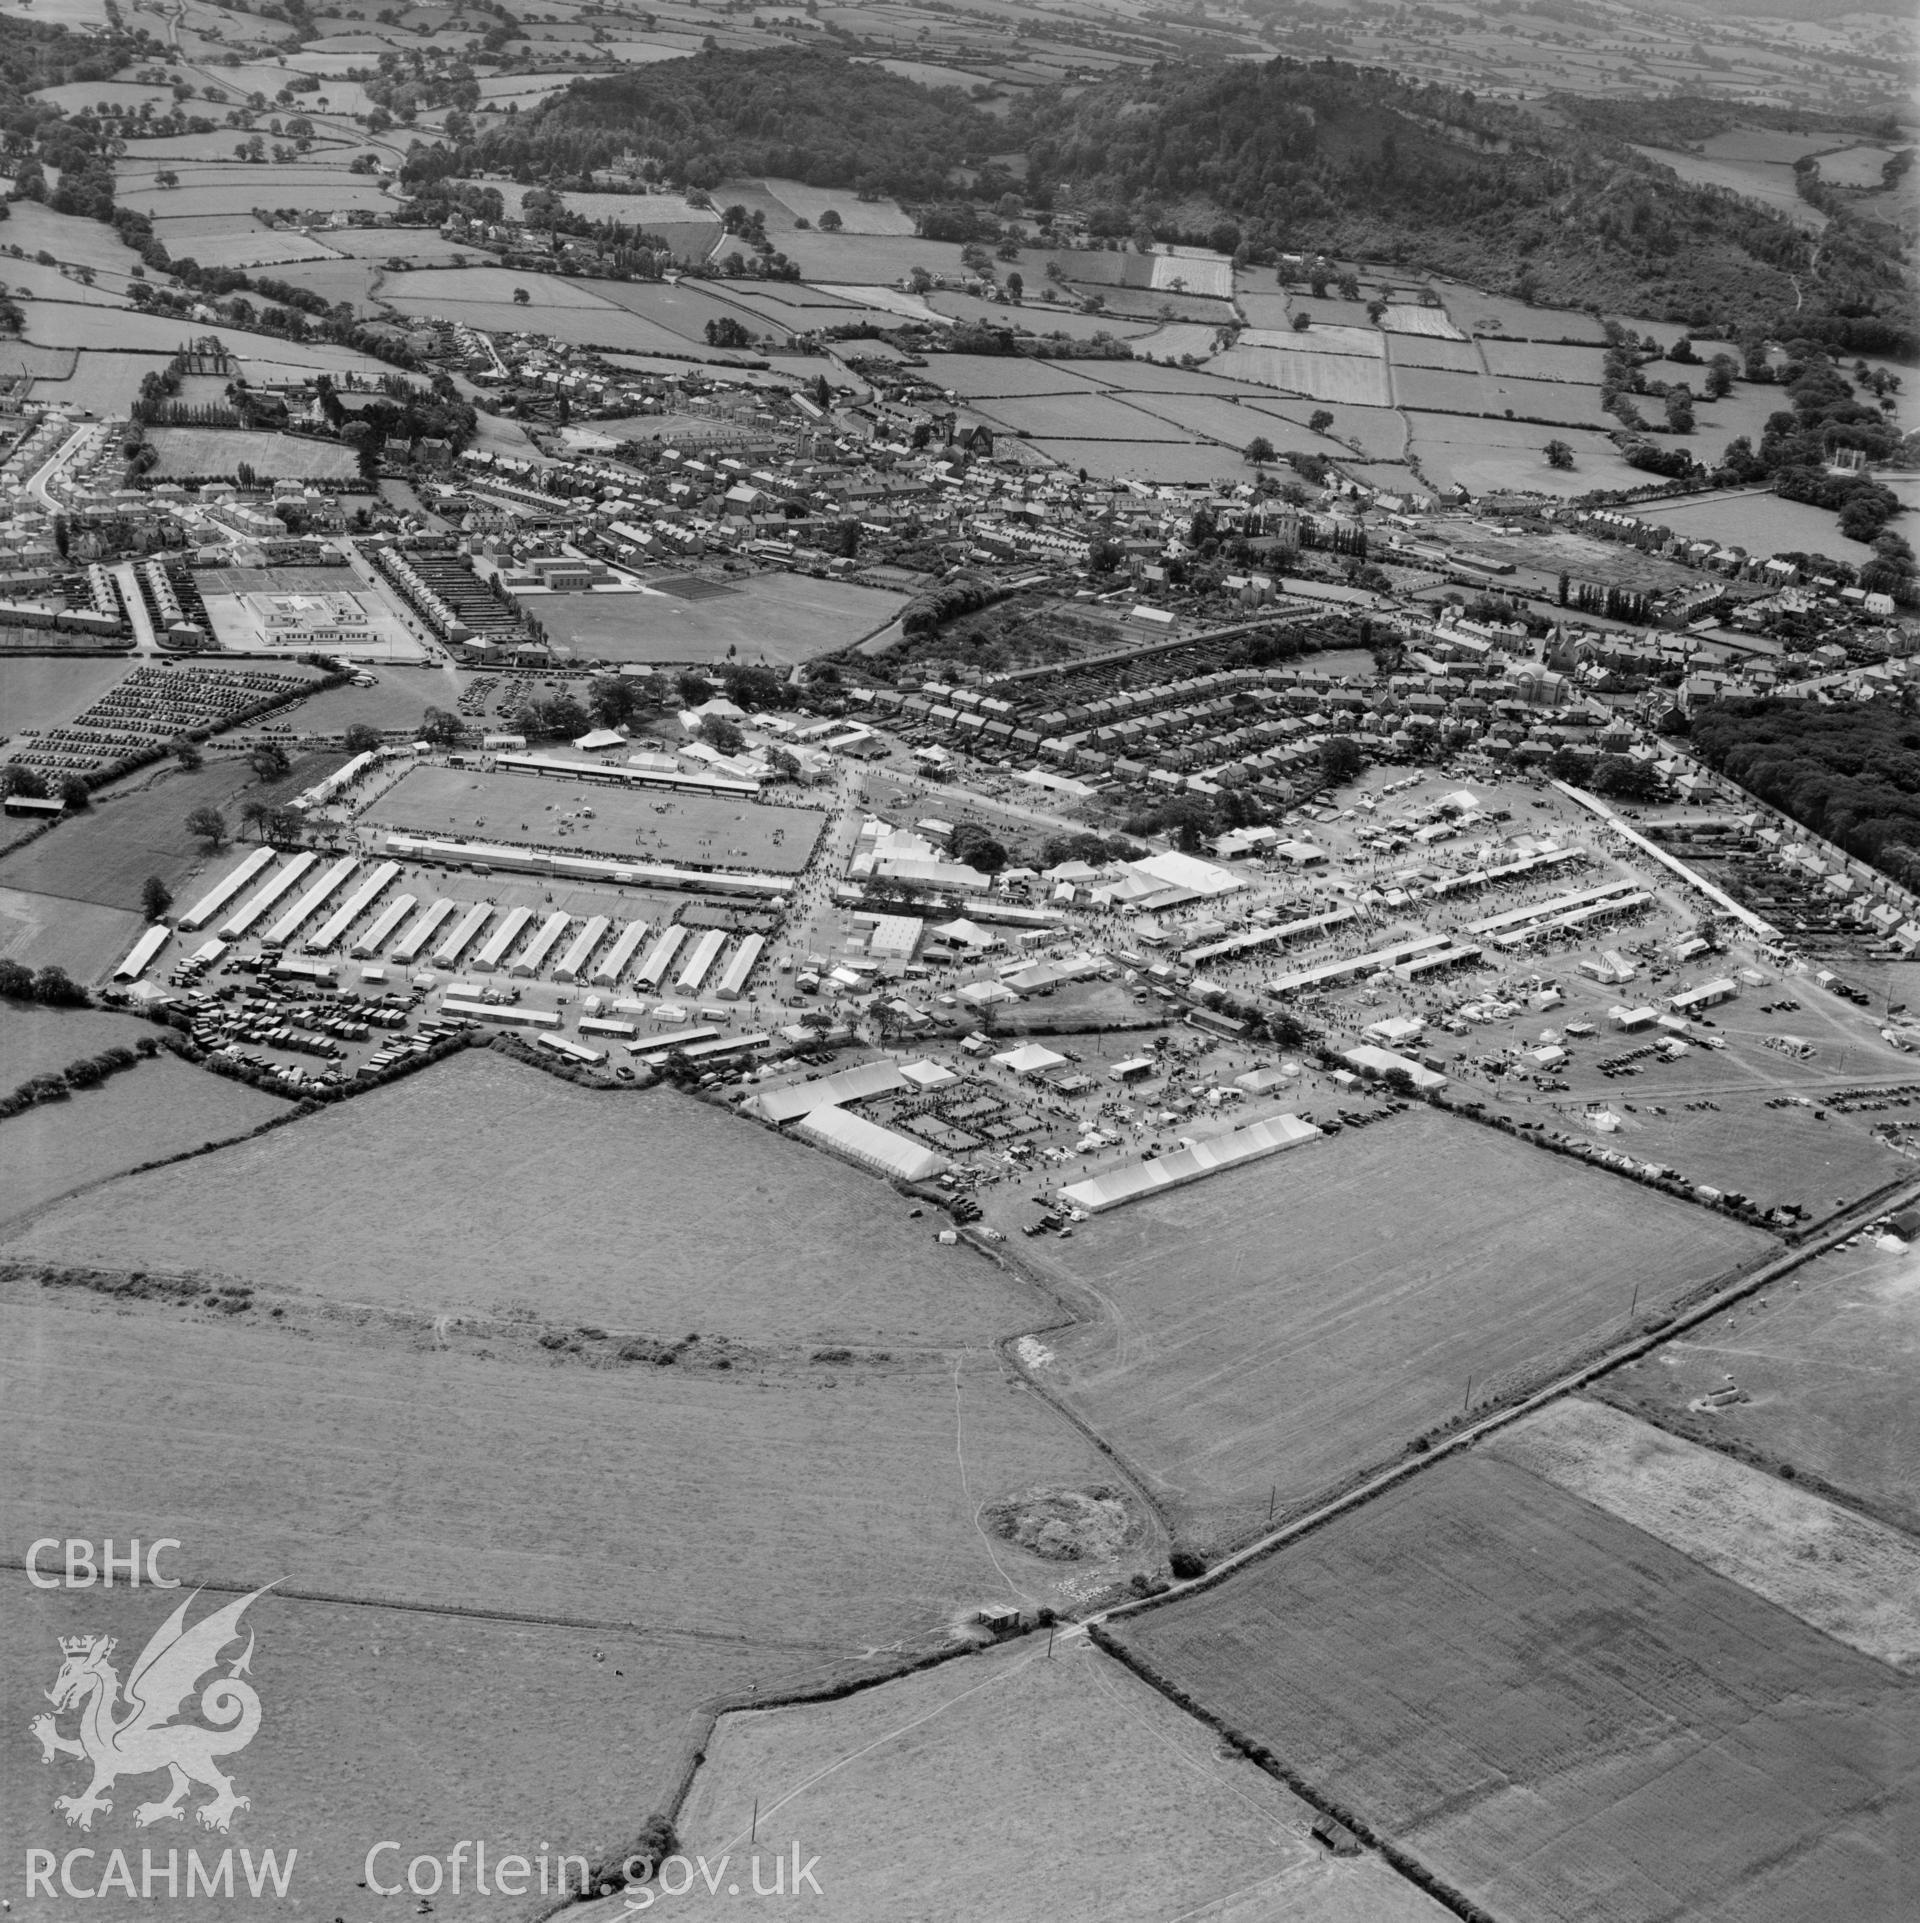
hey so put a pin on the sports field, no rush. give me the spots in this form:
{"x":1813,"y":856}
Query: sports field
{"x":705,"y":830}
{"x":1825,"y":1363}
{"x":483,"y":1188}
{"x":1019,"y":1785}
{"x":1267,"y":1333}
{"x":1567,"y":1719}
{"x":773,"y":618}
{"x":200,"y":453}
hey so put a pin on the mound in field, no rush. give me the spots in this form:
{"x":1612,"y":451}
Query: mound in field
{"x":1268,"y":1333}
{"x":1564,"y":1718}
{"x":485,"y":1189}
{"x":1014,"y":1785}
{"x":1065,"y":1525}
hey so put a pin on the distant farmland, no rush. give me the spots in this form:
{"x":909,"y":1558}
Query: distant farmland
{"x":1277,"y":1328}
{"x":1565,"y":1719}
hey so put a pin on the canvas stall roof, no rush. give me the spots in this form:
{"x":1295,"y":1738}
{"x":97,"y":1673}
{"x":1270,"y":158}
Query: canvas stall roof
{"x":968,"y":932}
{"x":1190,"y":1164}
{"x":926,"y":1075}
{"x":1030,"y":1059}
{"x":861,"y":1084}
{"x":883,"y":1150}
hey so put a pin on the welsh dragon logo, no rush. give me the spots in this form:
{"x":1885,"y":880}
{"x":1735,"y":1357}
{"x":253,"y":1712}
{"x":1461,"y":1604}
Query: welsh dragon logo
{"x":137,"y":1736}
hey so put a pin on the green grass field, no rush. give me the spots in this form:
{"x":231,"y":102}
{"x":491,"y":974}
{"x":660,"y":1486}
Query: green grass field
{"x":1269,"y":1332}
{"x":1566,"y":1719}
{"x":485,"y":1189}
{"x":709,"y":831}
{"x":1017,"y":1785}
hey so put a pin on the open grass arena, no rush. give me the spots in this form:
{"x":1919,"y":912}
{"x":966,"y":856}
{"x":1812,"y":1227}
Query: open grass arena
{"x":1563,"y":1718}
{"x":1266,"y":1334}
{"x":703,"y":831}
{"x":647,"y":1214}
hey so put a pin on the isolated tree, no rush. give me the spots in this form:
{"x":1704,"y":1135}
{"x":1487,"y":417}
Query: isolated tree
{"x":521,"y":297}
{"x":208,"y":824}
{"x":18,"y":779}
{"x":1558,"y":454}
{"x":269,"y":762}
{"x":721,"y":734}
{"x":440,"y":728}
{"x":361,"y":737}
{"x":830,"y":222}
{"x":256,"y":817}
{"x":73,"y":790}
{"x":155,"y":898}
{"x":187,"y":752}
{"x":1259,"y":449}
{"x":1319,"y":420}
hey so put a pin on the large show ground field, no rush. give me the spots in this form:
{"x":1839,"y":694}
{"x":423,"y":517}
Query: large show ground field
{"x":483,"y":1189}
{"x":1265,"y":1334}
{"x":1566,"y":1719}
{"x":705,"y":831}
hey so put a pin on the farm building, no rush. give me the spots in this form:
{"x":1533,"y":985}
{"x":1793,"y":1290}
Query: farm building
{"x":882,"y":1150}
{"x":1188,"y":1164}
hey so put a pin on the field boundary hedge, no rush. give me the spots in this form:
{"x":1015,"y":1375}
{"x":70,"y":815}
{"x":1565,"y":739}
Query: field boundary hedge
{"x":1390,"y":1852}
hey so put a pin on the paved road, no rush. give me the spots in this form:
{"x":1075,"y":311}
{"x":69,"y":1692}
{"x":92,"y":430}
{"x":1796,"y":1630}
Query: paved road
{"x":38,"y":486}
{"x":145,"y":641}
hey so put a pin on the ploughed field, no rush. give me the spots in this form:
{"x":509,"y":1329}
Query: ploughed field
{"x":1262,"y":1336}
{"x":1558,"y":1715}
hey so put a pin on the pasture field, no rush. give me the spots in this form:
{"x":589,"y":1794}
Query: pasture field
{"x":210,"y":187}
{"x":776,"y":618}
{"x":123,"y":330}
{"x":1423,"y":323}
{"x":708,"y":830}
{"x":263,"y":249}
{"x":42,"y":931}
{"x":1417,"y":350}
{"x":557,"y":1203}
{"x":1487,"y":455}
{"x":188,"y":453}
{"x":1854,"y":1579}
{"x":36,"y":1040}
{"x":684,"y":309}
{"x":1203,"y":416}
{"x":1015,"y":1785}
{"x":1762,"y":523}
{"x":865,"y":259}
{"x":1367,"y":342}
{"x":1380,"y":431}
{"x":514,"y":1732}
{"x":817,"y":1513}
{"x":598,"y":325}
{"x":1542,"y":361}
{"x":105,"y":854}
{"x":1565,"y":1718}
{"x":338,"y":280}
{"x":463,"y":286}
{"x":38,"y":691}
{"x":1137,"y":377}
{"x":1448,"y":389}
{"x":1475,"y":311}
{"x":858,"y":216}
{"x":384,"y":243}
{"x":1174,"y":340}
{"x":1855,"y":166}
{"x":1280,"y":1328}
{"x":880,"y":300}
{"x":1039,"y":317}
{"x":1086,"y":417}
{"x":1354,"y":378}
{"x":1170,"y":460}
{"x":989,"y":376}
{"x":155,"y":1110}
{"x":1565,"y":403}
{"x":1826,"y":1360}
{"x":1768,"y":182}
